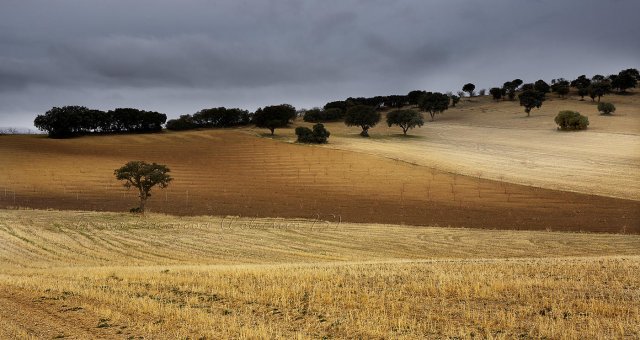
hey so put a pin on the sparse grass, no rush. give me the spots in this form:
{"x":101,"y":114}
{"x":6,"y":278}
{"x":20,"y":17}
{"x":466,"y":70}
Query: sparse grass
{"x":168,"y":277}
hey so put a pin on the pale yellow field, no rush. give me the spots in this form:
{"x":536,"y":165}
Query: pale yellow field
{"x":497,"y":141}
{"x":89,"y":275}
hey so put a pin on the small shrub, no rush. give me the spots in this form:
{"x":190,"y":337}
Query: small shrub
{"x":606,"y":108}
{"x":318,"y":135}
{"x":571,"y":120}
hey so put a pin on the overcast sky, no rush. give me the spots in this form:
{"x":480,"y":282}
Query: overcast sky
{"x":181,"y":56}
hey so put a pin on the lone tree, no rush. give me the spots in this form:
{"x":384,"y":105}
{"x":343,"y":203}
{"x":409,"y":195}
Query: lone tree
{"x":496,"y":93}
{"x":434,"y":103}
{"x":276,"y":116}
{"x":530,"y":99}
{"x":143,"y":176}
{"x":468,"y":88}
{"x":363,"y":116}
{"x":541,"y":86}
{"x":406,"y":119}
{"x":454,"y":100}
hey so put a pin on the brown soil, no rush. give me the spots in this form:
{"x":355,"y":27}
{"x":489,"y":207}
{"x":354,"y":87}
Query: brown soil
{"x":232,"y":172}
{"x":51,"y":316}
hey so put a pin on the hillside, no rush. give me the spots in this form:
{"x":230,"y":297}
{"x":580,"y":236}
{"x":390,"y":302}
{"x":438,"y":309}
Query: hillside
{"x":108,"y":275}
{"x":235,"y":172}
{"x":497,"y":141}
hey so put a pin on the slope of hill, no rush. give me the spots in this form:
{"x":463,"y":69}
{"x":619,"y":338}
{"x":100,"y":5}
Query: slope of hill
{"x":232,"y":172}
{"x":497,"y":141}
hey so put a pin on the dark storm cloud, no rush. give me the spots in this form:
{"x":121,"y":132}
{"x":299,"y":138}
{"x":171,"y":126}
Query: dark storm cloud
{"x":180,"y":56}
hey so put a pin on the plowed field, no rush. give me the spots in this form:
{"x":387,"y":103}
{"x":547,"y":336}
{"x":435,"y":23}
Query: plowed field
{"x":236,"y":172}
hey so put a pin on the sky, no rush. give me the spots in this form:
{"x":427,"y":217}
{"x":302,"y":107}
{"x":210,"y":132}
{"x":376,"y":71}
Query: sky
{"x":181,"y":56}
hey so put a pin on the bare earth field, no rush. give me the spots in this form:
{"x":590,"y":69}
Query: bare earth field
{"x":108,"y":275}
{"x":235,"y":172}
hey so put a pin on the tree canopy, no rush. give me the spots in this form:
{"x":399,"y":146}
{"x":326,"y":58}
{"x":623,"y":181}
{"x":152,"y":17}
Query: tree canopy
{"x":468,"y":88}
{"x":541,"y":86}
{"x":363,"y":116}
{"x":624,"y":80}
{"x":405,"y":119}
{"x":318,"y":134}
{"x":143,"y":176}
{"x":276,"y":116}
{"x":70,"y":121}
{"x":434,"y":103}
{"x":571,"y":120}
{"x":530,"y":99}
{"x":496,"y":93}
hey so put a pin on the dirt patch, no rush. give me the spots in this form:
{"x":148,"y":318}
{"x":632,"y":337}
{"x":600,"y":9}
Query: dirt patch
{"x":25,"y":314}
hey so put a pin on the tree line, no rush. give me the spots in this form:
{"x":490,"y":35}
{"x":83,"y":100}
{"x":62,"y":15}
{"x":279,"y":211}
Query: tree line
{"x":363,"y":112}
{"x":71,"y":121}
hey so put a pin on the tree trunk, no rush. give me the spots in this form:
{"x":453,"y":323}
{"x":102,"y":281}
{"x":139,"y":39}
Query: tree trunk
{"x":365,"y":132}
{"x":142,"y":205}
{"x":272,"y":131}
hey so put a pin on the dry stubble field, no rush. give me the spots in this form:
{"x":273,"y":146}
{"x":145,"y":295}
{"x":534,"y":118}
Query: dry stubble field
{"x":108,"y":275}
{"x":497,"y":141}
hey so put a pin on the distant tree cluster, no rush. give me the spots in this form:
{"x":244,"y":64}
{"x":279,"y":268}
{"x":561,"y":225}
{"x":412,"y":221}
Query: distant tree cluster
{"x":211,"y":118}
{"x":70,"y":121}
{"x":317,"y":115}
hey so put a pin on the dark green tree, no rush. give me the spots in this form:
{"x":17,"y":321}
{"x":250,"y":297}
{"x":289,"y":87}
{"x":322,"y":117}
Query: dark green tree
{"x":414,"y":96}
{"x":276,"y":116}
{"x":527,"y":86}
{"x":143,"y":176}
{"x":468,"y":88}
{"x":571,"y":120}
{"x":581,"y":82}
{"x":541,"y":86}
{"x":496,"y":93}
{"x":340,"y":105}
{"x":517,"y":82}
{"x":624,"y":80}
{"x":363,"y":116}
{"x":405,"y":119}
{"x":583,"y":91}
{"x":454,"y":100}
{"x":318,"y":135}
{"x":530,"y":99}
{"x":560,"y":86}
{"x":434,"y":103}
{"x":599,"y":89}
{"x":63,"y":122}
{"x":606,"y":108}
{"x":509,"y":89}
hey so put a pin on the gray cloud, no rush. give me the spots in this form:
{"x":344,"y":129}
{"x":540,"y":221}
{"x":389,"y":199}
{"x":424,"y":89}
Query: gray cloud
{"x":180,"y":56}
